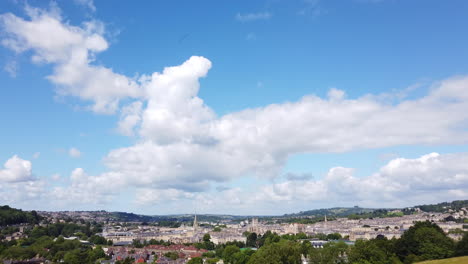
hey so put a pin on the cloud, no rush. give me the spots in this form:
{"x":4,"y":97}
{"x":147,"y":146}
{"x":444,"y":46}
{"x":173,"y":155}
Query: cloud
{"x":87,"y":3}
{"x":24,"y":193}
{"x":247,"y":17}
{"x":129,"y":118}
{"x":184,"y":146}
{"x":74,"y":153}
{"x":55,"y":176}
{"x":11,"y":67}
{"x":401,"y":182}
{"x":86,"y":189}
{"x":16,"y":170}
{"x":311,"y":7}
{"x":18,"y":184}
{"x":36,"y":155}
{"x":71,"y":49}
{"x":174,"y":111}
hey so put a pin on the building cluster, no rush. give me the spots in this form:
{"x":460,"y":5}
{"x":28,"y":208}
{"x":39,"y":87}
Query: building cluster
{"x":153,"y":254}
{"x":390,"y":227}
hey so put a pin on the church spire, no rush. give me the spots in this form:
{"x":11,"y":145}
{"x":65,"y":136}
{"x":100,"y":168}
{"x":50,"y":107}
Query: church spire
{"x":195,"y":223}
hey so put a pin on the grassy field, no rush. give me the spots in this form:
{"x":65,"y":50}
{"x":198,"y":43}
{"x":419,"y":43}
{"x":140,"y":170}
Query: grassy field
{"x":459,"y":260}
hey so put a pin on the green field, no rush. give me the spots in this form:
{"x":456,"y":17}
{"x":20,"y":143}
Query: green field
{"x":459,"y":260}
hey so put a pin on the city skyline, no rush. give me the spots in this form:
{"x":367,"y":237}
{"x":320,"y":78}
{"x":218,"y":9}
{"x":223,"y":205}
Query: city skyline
{"x":259,"y":108}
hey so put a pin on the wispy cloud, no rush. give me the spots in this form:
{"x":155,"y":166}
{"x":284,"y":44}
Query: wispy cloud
{"x":87,"y":3}
{"x":311,"y":7}
{"x":11,"y":68}
{"x":253,"y":16}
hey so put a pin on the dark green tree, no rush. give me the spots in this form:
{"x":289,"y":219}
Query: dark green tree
{"x":195,"y":260}
{"x":283,"y":252}
{"x":424,"y":241}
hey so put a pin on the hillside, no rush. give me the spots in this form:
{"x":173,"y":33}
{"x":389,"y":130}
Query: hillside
{"x":444,"y":207}
{"x":458,"y":260}
{"x":336,"y":212}
{"x":12,"y":216}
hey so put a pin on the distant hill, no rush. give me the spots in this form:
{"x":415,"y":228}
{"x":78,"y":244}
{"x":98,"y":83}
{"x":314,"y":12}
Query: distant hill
{"x":12,"y":216}
{"x":131,"y":217}
{"x":378,"y":212}
{"x":444,"y":207}
{"x":334,"y":212}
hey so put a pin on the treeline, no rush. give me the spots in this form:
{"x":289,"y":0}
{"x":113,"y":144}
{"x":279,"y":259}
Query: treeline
{"x":379,"y":213}
{"x":49,"y":242}
{"x":12,"y":216}
{"x":337,"y":212}
{"x":58,"y":250}
{"x":444,"y":207}
{"x":83,"y":231}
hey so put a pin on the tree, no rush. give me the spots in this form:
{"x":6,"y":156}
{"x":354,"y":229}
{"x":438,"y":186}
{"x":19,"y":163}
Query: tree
{"x":333,"y":236}
{"x":97,"y":253}
{"x":330,"y":253}
{"x":424,"y":241}
{"x":462,"y":246}
{"x":195,"y":260}
{"x":372,"y":251}
{"x":229,"y":252}
{"x":306,"y":247}
{"x":251,"y":240}
{"x":206,"y":238}
{"x":137,"y":243}
{"x":172,"y":255}
{"x":283,"y":252}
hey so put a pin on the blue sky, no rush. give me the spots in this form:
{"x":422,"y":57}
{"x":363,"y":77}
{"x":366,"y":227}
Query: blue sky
{"x":271,"y":107}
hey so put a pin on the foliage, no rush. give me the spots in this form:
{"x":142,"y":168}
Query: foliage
{"x":444,"y":207}
{"x":195,"y":260}
{"x":330,"y":253}
{"x":424,"y":241}
{"x":172,"y":255}
{"x":206,"y":243}
{"x":378,"y":251}
{"x":282,"y":252}
{"x":462,"y":246}
{"x":12,"y":216}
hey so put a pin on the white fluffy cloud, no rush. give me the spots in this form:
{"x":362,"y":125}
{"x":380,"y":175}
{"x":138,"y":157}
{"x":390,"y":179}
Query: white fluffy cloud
{"x":16,"y":170}
{"x":130,"y":117}
{"x":71,"y":49}
{"x":86,"y":189}
{"x":401,"y":182}
{"x":74,"y":153}
{"x":17,"y":183}
{"x":184,"y":146}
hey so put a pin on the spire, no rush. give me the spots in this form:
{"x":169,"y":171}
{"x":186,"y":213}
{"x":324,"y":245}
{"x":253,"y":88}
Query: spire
{"x":195,"y":223}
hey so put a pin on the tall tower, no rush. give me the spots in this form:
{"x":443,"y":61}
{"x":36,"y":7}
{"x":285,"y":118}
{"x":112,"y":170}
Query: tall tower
{"x":195,"y":224}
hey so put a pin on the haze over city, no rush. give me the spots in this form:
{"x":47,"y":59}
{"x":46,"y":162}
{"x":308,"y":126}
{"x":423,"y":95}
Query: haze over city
{"x":232,"y":107}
